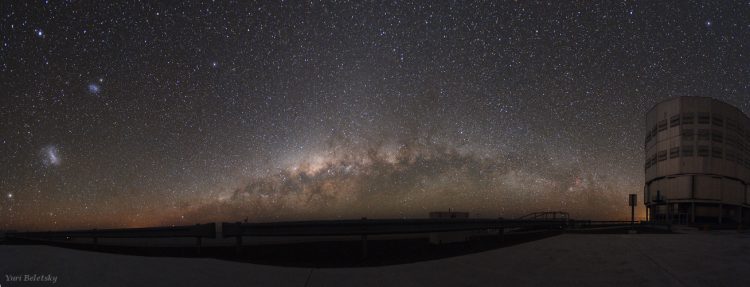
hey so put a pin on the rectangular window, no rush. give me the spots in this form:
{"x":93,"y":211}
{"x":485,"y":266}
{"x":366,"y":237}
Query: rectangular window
{"x":716,"y":152}
{"x":731,"y":156}
{"x":717,"y":136}
{"x":662,"y":125}
{"x":653,"y":159}
{"x":732,"y":124}
{"x":703,"y":118}
{"x":653,"y":131}
{"x":674,"y":152}
{"x":687,"y":118}
{"x":703,"y":150}
{"x":688,"y":135}
{"x":717,"y":121}
{"x":687,"y":150}
{"x":703,"y":135}
{"x":732,"y":141}
{"x":674,"y":121}
{"x":661,"y":156}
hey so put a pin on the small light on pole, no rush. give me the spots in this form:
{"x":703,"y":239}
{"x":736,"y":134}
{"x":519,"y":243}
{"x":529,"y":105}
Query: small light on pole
{"x":632,"y":200}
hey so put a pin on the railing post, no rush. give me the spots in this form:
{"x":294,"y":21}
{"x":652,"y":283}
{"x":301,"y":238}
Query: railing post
{"x":364,"y":238}
{"x":238,"y":249}
{"x":199,"y":242}
{"x":96,"y":240}
{"x":364,"y":246}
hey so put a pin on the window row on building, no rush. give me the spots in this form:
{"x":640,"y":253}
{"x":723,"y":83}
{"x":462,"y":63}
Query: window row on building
{"x":714,"y":135}
{"x":732,"y":141}
{"x":717,"y":152}
{"x":717,"y":120}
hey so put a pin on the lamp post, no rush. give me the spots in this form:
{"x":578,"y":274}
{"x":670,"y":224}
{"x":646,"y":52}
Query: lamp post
{"x":632,"y":200}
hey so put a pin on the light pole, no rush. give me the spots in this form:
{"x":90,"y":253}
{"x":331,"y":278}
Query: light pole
{"x":632,"y":200}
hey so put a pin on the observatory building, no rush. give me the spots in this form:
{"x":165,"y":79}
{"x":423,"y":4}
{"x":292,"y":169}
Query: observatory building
{"x":697,"y":162}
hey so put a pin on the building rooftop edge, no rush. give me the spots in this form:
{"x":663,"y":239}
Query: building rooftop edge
{"x":700,"y":97}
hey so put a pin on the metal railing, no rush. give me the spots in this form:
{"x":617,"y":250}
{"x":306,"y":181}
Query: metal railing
{"x":198,"y":231}
{"x":546,"y":215}
{"x":365,"y":227}
{"x":374,"y":226}
{"x":361,"y":228}
{"x":592,"y":224}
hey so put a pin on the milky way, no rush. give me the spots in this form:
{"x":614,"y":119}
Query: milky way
{"x":135,"y":114}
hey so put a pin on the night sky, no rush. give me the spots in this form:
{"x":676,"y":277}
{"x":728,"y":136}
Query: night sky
{"x":139,"y":114}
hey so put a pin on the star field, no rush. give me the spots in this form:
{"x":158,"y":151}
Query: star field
{"x":120,"y":114}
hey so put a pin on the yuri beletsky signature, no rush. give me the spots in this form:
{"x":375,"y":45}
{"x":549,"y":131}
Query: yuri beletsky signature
{"x":31,"y":278}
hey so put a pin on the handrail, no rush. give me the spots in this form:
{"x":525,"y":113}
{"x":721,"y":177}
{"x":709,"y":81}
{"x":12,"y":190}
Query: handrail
{"x":199,"y":230}
{"x":555,"y":215}
{"x":373,"y":227}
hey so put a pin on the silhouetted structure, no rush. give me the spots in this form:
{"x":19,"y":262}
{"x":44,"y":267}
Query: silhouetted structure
{"x":697,"y":162}
{"x":449,"y":214}
{"x":546,"y":215}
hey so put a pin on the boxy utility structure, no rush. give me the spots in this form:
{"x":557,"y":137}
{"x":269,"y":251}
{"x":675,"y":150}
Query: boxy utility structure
{"x":697,"y":162}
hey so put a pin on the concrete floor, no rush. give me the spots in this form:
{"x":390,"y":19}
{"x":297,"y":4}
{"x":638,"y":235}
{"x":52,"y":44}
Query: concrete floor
{"x":696,"y":259}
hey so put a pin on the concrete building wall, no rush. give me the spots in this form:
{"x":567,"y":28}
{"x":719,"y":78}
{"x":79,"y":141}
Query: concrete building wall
{"x":697,"y":158}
